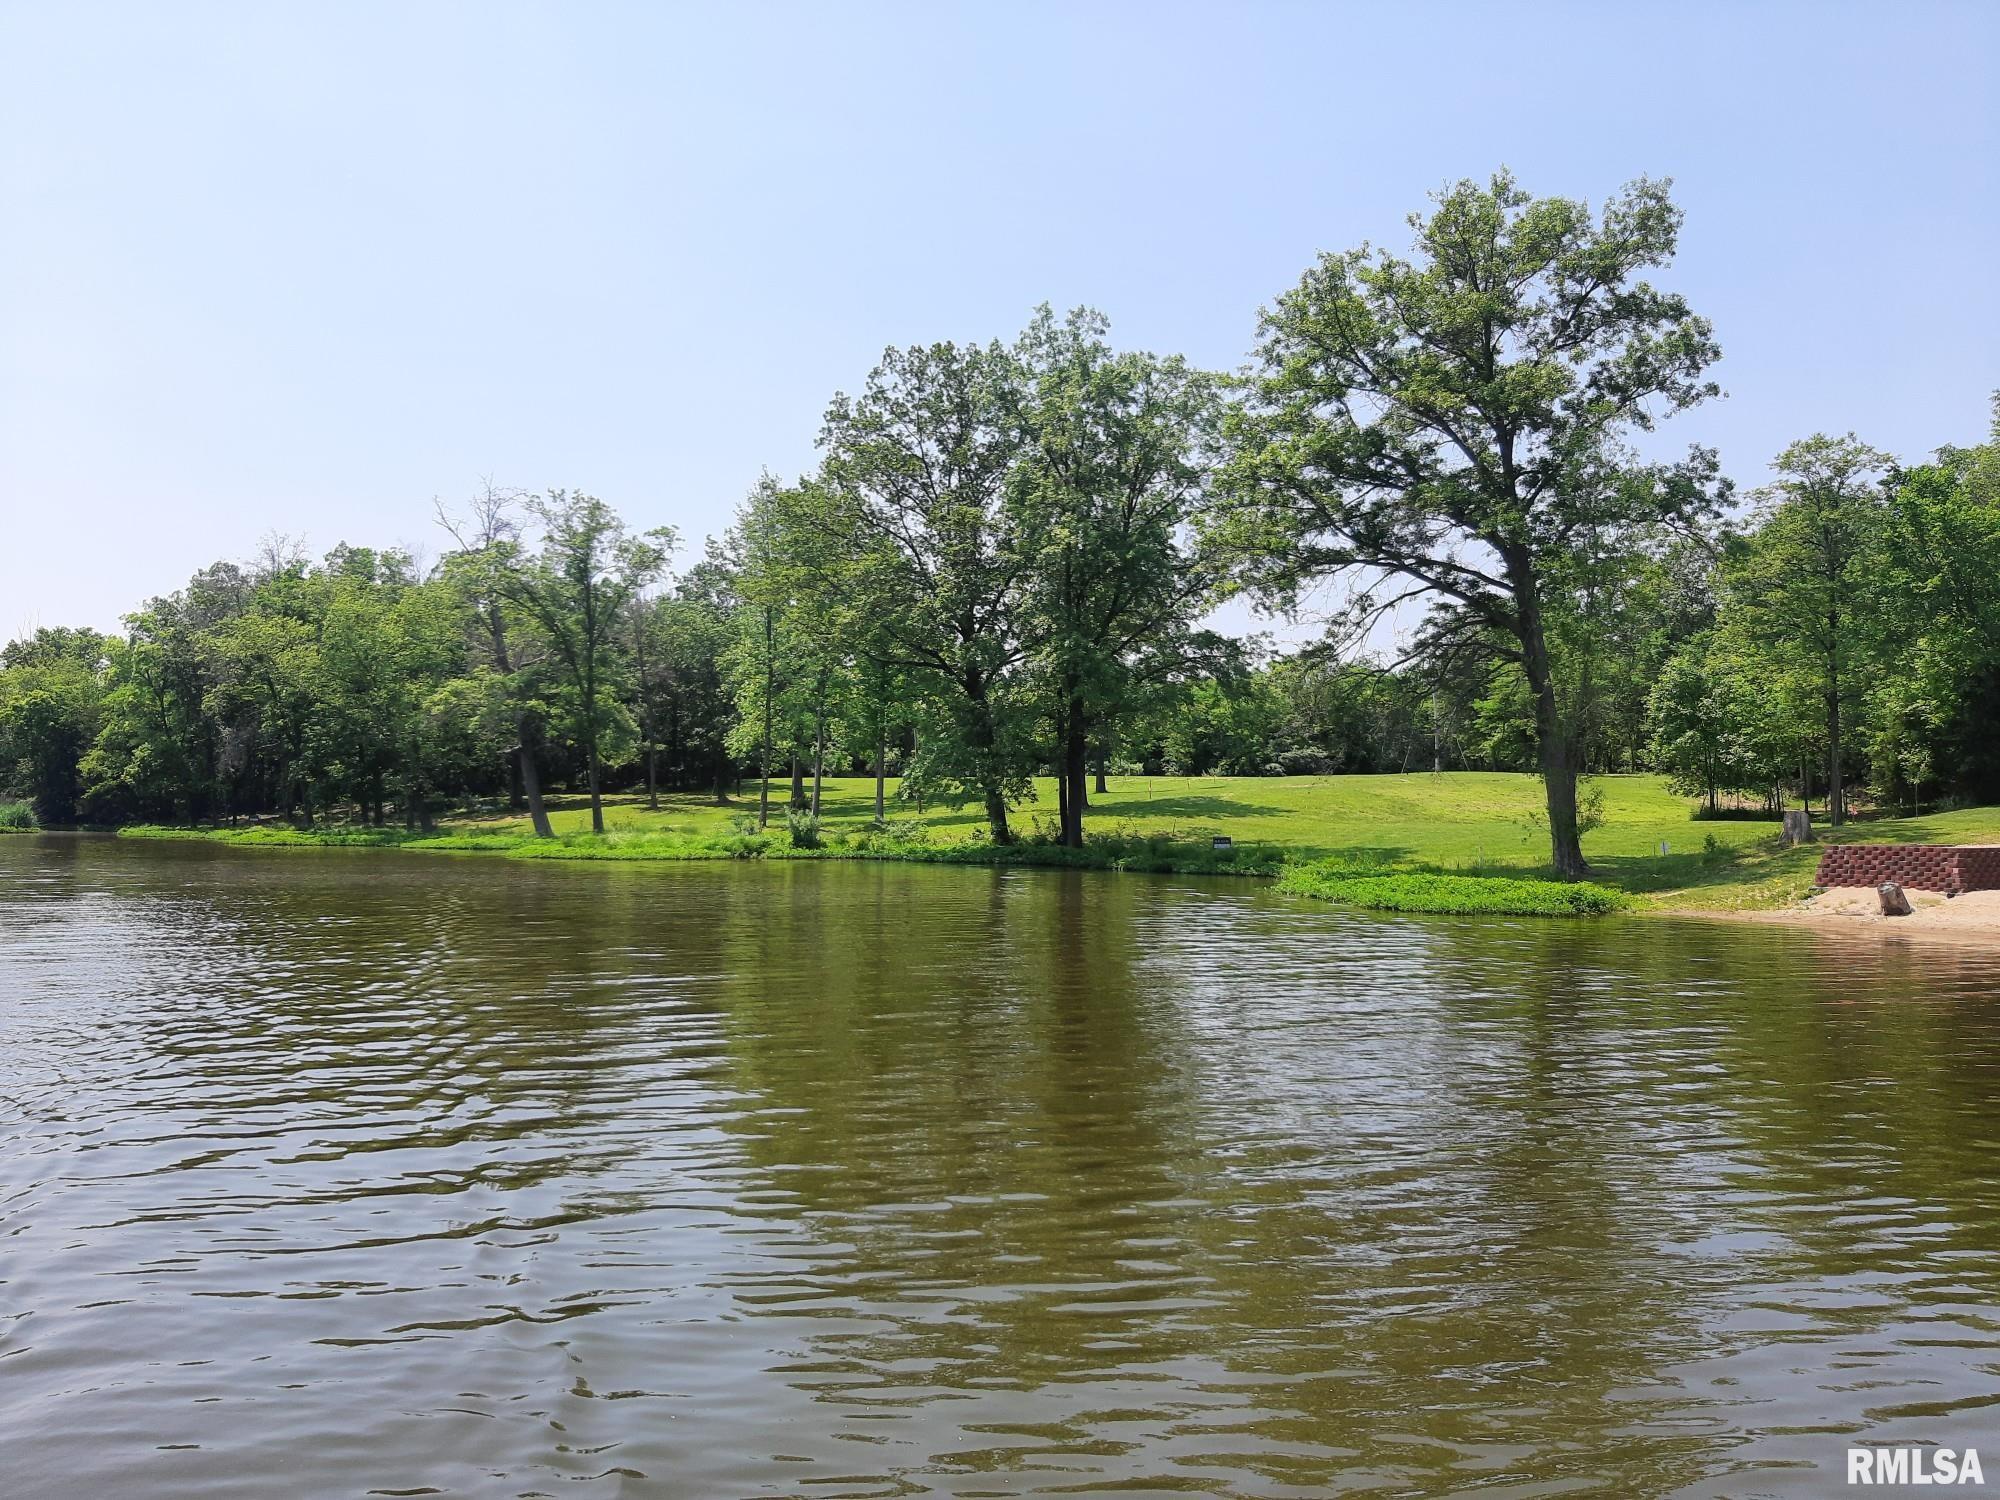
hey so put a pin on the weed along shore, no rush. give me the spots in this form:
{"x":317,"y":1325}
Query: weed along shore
{"x":1456,"y":842}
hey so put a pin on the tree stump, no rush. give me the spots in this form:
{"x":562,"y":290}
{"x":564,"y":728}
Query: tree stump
{"x":1798,"y":827}
{"x":1894,"y":902}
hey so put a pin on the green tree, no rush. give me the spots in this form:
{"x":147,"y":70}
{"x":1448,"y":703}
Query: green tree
{"x":577,"y":587}
{"x":1702,"y":725}
{"x":764,"y":663}
{"x":159,"y":749}
{"x":698,"y":712}
{"x":1112,"y":474}
{"x":1456,"y":422}
{"x":1800,"y":587}
{"x":51,"y":696}
{"x":1934,"y":709}
{"x":488,"y":554}
{"x":920,"y":463}
{"x":269,"y":674}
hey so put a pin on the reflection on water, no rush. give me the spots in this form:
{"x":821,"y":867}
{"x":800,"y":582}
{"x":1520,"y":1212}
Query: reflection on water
{"x":344,"y":1174}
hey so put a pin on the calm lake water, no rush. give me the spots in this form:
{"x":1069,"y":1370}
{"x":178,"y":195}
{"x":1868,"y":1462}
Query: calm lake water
{"x":331,"y":1174}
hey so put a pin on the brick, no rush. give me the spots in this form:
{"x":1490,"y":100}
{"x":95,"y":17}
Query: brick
{"x":1924,"y":867}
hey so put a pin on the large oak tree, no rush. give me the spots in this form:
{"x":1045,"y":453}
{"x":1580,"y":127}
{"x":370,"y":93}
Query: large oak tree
{"x":919,"y":463}
{"x":1457,"y":422}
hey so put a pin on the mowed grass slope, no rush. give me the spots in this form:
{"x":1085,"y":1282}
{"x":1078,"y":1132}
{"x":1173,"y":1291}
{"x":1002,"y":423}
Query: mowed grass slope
{"x":1459,"y":822}
{"x":1461,"y":819}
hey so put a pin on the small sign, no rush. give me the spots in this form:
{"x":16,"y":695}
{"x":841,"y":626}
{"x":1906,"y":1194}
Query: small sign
{"x":1220,"y":841}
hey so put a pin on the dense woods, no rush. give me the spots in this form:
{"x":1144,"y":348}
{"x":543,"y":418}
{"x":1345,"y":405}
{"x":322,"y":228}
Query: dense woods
{"x":1005,"y":562}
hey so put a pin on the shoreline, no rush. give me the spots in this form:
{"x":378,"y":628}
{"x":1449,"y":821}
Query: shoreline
{"x":1369,"y":885}
{"x":1971,"y":920}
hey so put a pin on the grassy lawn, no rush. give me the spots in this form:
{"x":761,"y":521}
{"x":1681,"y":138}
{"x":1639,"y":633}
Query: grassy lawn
{"x":1462,"y":822}
{"x":1459,"y":823}
{"x":1758,"y":873}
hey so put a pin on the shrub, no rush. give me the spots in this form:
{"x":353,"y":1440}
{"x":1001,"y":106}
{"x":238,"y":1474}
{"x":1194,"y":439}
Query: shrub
{"x":17,"y":817}
{"x":803,"y":827}
{"x":1451,"y":894}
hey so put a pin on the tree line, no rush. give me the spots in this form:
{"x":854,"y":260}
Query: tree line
{"x":1004,"y":559}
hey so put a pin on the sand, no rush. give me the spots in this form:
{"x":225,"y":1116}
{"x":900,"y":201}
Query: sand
{"x":1971,"y":918}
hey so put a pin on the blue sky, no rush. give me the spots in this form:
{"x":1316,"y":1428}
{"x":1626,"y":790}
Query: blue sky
{"x":303,"y":268}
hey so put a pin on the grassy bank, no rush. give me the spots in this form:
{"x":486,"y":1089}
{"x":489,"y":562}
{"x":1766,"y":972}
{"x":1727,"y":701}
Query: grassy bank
{"x":1154,"y":853}
{"x":1463,"y":841}
{"x":1470,"y":895}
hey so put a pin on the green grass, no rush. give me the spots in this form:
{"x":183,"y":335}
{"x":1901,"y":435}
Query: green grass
{"x":1758,"y":874}
{"x":1468,"y":823}
{"x":1154,"y":852}
{"x":1463,"y":820}
{"x":17,"y":817}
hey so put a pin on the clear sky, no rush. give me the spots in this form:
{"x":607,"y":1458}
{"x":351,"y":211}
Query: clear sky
{"x":303,"y":267}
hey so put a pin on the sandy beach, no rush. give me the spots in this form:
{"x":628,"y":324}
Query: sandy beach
{"x":1973,"y":918}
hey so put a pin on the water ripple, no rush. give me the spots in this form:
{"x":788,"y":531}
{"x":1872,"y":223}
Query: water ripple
{"x":458,"y":1177}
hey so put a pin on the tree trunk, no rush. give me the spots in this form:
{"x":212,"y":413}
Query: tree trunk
{"x":596,"y":794}
{"x":527,"y":778}
{"x":531,"y":783}
{"x":819,"y":741}
{"x":798,"y":797}
{"x":1836,"y":793}
{"x":996,"y":816}
{"x":1074,"y":770}
{"x":1559,"y":783}
{"x":984,"y":741}
{"x":764,"y":791}
{"x":1554,"y":752}
{"x":1102,"y":788}
{"x":653,"y":777}
{"x":881,"y":764}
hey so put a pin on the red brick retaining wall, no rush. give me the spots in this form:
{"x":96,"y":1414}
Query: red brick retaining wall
{"x":1921,"y":867}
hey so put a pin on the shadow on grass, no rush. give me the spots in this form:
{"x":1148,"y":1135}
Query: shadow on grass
{"x":1765,"y":859}
{"x":1181,"y":807}
{"x":1389,"y":858}
{"x":1739,"y":865}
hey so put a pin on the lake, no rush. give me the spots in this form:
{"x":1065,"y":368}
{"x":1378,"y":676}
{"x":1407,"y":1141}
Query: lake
{"x":348,"y":1173}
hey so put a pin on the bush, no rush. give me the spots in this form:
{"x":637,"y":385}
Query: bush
{"x":17,"y":817}
{"x":1450,"y":894}
{"x":803,"y":827}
